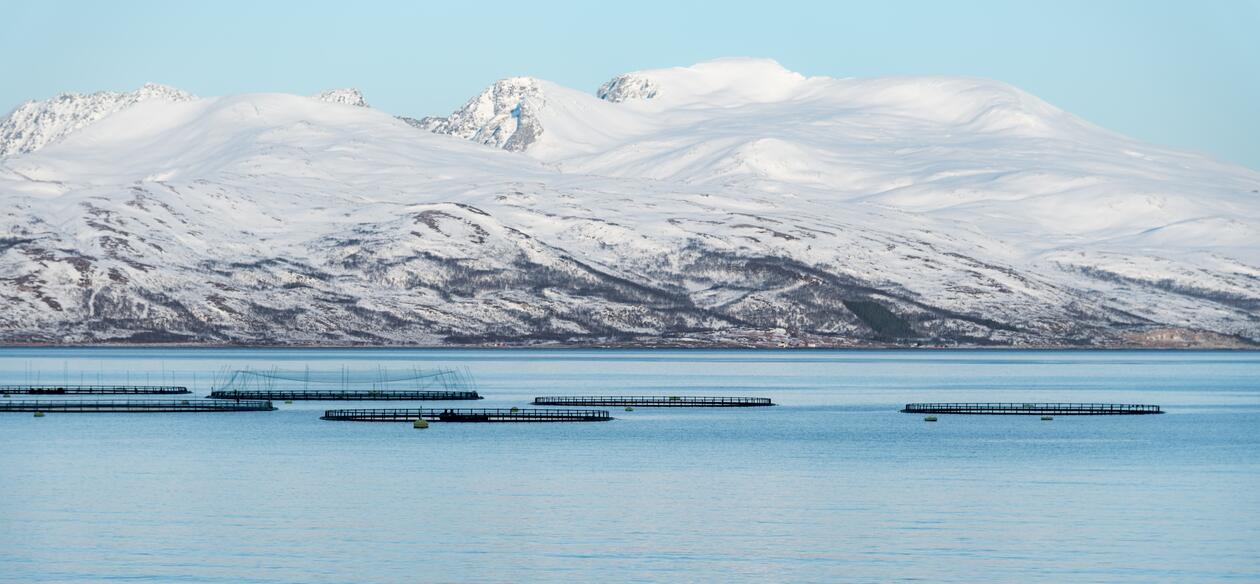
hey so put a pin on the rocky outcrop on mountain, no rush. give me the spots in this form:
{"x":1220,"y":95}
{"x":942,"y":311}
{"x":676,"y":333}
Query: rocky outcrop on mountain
{"x":504,"y":116}
{"x":36,"y":124}
{"x":627,"y":87}
{"x":344,"y":96}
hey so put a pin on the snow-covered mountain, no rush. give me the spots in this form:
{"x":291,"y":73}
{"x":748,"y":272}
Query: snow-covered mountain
{"x":730,"y":202}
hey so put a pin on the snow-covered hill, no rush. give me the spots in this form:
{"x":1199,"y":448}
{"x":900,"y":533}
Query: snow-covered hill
{"x":730,"y":202}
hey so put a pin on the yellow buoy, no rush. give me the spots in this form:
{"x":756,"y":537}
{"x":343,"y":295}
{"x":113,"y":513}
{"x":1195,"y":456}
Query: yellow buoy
{"x":421,"y":423}
{"x":39,"y":414}
{"x":930,"y":419}
{"x":1047,"y":418}
{"x":515,"y":409}
{"x":288,"y":401}
{"x":629,"y":409}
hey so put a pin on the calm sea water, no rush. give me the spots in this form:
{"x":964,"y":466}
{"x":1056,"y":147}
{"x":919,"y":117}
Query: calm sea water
{"x":832,"y":485}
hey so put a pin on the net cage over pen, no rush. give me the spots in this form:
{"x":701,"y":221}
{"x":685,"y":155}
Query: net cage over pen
{"x":345,"y":379}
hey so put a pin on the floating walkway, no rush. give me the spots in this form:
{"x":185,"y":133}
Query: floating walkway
{"x":92,"y":389}
{"x":121,"y":406}
{"x":332,"y":394}
{"x":668,"y":401}
{"x":1031,"y":409}
{"x":466,"y":415}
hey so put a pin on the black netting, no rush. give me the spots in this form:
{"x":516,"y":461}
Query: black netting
{"x":345,"y":379}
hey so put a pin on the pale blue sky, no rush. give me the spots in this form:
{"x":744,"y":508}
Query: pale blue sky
{"x":1185,"y":74}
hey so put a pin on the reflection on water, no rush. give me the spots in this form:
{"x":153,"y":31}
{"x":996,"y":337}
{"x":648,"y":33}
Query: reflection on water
{"x":832,"y":485}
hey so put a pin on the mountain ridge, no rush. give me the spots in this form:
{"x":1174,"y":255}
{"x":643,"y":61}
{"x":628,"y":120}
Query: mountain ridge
{"x":727,"y":203}
{"x":35,"y":124}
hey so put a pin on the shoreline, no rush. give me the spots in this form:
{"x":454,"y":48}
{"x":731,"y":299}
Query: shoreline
{"x":629,"y":346}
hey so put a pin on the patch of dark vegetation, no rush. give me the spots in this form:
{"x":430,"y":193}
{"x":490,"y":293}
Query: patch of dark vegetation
{"x":968,"y":260}
{"x":380,"y":318}
{"x":10,"y":242}
{"x":267,"y":264}
{"x":985,"y":322}
{"x":133,"y":264}
{"x":778,"y":234}
{"x":30,"y":284}
{"x":274,"y":316}
{"x":139,"y":309}
{"x":492,"y":338}
{"x":980,"y":341}
{"x":763,"y":272}
{"x":811,"y":299}
{"x":471,"y":209}
{"x":155,"y":337}
{"x":38,"y":254}
{"x":221,"y":303}
{"x":367,"y":338}
{"x":336,"y":299}
{"x":455,"y":279}
{"x":886,"y":323}
{"x":1248,"y":303}
{"x":431,"y":218}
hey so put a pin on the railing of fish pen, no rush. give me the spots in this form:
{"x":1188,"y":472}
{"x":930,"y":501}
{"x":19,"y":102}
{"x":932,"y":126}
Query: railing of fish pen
{"x":1062,"y":409}
{"x":93,"y":389}
{"x":466,"y":415}
{"x":120,"y":406}
{"x":345,"y":395}
{"x":652,"y":401}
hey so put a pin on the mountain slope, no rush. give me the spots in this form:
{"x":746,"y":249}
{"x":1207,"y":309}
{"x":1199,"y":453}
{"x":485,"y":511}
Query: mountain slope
{"x":732,"y":202}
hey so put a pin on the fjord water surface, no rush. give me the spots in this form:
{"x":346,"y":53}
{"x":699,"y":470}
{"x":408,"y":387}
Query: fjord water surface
{"x":832,"y":485}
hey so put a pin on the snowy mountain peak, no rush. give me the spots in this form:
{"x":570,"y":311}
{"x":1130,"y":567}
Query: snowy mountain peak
{"x":504,"y":115}
{"x":729,"y":81}
{"x":36,"y":124}
{"x":609,"y":129}
{"x":158,"y":91}
{"x":512,"y":113}
{"x":628,"y":87}
{"x":344,"y":96}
